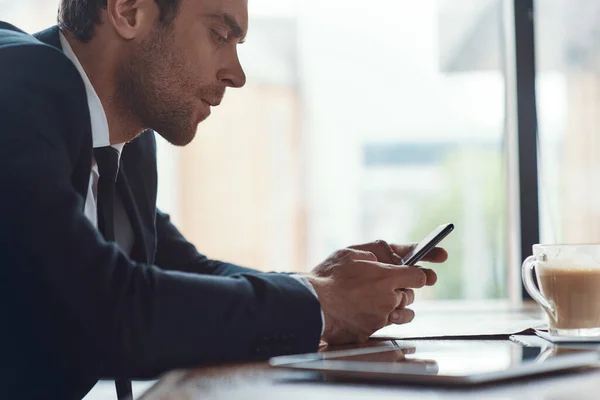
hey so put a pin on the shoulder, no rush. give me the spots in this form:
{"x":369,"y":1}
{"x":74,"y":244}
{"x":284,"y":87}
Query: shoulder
{"x":28,"y":63}
{"x":40,"y":86}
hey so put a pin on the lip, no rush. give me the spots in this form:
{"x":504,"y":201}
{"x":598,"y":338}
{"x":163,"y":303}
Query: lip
{"x":206,"y":111}
{"x":213,"y":102}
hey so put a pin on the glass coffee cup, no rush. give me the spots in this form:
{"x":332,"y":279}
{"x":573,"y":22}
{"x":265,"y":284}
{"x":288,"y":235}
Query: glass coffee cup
{"x":568,"y":278}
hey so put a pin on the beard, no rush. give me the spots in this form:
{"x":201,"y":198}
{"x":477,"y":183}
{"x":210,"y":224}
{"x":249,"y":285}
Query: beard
{"x":152,"y":86}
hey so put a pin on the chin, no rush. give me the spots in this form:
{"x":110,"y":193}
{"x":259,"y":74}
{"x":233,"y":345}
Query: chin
{"x":180,"y":137}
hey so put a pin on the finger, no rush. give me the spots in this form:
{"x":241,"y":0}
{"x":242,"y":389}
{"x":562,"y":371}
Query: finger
{"x":402,"y":298}
{"x":436,"y":255}
{"x":403,"y":276}
{"x":431,"y":276}
{"x":410,"y":296}
{"x":382,"y":250}
{"x":402,"y":316}
{"x":399,"y":354}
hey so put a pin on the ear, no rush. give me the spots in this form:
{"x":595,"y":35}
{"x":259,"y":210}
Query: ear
{"x":131,"y":18}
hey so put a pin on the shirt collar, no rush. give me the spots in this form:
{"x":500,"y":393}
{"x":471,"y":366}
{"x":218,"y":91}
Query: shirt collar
{"x":100,"y":135}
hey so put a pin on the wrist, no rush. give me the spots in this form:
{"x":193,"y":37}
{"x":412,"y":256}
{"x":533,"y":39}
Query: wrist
{"x":320,"y":285}
{"x":313,"y":287}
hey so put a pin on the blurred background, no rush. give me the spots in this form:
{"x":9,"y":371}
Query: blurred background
{"x":382,"y":119}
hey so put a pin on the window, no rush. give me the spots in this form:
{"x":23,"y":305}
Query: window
{"x":568,"y":96}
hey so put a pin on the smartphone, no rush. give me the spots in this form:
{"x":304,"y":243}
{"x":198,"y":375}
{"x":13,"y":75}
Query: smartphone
{"x":427,"y":244}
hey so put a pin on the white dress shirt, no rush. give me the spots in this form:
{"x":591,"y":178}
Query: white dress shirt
{"x":101,"y":138}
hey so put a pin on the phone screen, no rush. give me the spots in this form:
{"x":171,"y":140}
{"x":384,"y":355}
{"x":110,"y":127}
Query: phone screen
{"x":427,"y":244}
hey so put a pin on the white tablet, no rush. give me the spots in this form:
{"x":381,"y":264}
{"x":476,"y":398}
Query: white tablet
{"x":444,"y":362}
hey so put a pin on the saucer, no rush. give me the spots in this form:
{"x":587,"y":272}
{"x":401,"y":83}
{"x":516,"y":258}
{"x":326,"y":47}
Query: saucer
{"x":567,"y":339}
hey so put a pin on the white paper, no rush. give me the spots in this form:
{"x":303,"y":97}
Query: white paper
{"x":460,"y":325}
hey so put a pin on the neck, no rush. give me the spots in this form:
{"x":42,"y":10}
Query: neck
{"x":99,"y":57}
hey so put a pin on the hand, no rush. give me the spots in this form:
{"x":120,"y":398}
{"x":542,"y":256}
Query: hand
{"x":357,"y":288}
{"x":394,"y":254}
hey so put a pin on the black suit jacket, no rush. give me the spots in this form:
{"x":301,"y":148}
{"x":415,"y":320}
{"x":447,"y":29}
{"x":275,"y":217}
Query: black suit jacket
{"x":75,"y":308}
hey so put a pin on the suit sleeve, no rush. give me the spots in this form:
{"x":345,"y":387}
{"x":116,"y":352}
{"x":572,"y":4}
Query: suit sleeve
{"x":83,"y":296}
{"x":174,"y":252}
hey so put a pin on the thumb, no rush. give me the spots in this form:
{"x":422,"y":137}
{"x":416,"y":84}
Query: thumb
{"x":382,"y":250}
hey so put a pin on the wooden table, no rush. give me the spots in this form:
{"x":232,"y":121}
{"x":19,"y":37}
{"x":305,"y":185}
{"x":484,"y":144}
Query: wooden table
{"x":259,"y":381}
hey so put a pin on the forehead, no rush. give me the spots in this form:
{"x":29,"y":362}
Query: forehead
{"x":238,"y":9}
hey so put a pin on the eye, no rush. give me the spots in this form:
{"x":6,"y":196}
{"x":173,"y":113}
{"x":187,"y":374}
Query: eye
{"x":219,"y":38}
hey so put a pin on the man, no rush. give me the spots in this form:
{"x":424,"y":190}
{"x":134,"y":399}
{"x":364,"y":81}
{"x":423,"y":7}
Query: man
{"x":96,"y":282}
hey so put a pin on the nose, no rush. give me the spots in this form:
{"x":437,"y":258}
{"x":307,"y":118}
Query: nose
{"x":233,"y":74}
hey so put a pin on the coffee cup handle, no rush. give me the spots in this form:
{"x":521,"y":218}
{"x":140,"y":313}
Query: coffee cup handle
{"x":527,"y":273}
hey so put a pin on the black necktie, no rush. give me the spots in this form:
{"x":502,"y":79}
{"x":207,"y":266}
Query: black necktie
{"x":107,"y":159}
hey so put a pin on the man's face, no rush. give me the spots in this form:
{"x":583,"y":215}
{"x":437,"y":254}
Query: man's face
{"x":171,"y":78}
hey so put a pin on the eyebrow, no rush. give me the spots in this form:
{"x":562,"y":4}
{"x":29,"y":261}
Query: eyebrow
{"x":230,"y":21}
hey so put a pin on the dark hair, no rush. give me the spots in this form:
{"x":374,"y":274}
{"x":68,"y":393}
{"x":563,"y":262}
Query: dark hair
{"x":80,"y":17}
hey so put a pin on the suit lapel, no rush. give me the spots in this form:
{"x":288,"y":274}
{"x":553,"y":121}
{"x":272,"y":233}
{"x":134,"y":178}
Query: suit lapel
{"x":132,"y":189}
{"x":140,"y":251}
